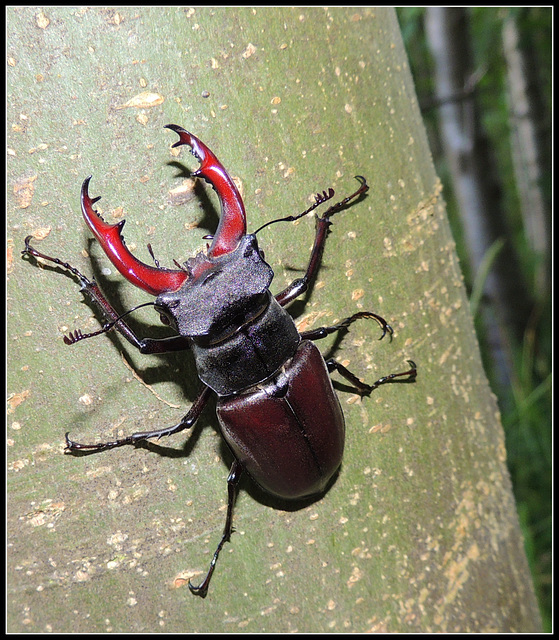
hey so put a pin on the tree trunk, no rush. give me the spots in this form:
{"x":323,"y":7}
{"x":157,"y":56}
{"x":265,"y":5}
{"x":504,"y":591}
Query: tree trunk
{"x":419,"y":531}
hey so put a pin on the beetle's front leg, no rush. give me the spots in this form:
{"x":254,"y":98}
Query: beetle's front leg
{"x":92,"y":291}
{"x":299,"y":286}
{"x":186,"y":423}
{"x":364,"y":388}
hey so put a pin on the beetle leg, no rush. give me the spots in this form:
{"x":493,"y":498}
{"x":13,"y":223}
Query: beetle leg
{"x":299,"y":286}
{"x":92,"y":291}
{"x":232,"y":490}
{"x":186,"y":423}
{"x":362,"y":387}
{"x":322,"y":332}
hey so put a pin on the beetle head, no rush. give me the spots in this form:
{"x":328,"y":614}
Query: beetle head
{"x":231,"y":292}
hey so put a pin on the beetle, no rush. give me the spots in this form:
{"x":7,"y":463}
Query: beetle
{"x":276,"y":405}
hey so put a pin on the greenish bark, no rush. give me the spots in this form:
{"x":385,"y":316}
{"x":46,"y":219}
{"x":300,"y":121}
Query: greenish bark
{"x":419,"y":532}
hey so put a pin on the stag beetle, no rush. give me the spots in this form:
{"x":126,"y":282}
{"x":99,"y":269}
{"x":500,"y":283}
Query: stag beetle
{"x":276,"y":406}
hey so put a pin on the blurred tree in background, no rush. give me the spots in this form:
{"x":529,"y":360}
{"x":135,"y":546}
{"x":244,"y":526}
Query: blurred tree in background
{"x":483,"y":77}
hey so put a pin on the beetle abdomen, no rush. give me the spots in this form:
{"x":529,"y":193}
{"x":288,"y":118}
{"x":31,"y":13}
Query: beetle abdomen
{"x":289,"y":433}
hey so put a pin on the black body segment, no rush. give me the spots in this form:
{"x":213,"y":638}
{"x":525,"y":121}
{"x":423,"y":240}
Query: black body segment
{"x":250,"y":355}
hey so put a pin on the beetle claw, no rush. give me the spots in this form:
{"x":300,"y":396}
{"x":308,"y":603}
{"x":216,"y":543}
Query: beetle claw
{"x":200,"y":590}
{"x":154,"y":280}
{"x":232,"y":223}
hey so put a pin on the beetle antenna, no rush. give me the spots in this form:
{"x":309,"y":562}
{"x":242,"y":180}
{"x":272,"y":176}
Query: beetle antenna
{"x":77,"y":335}
{"x":318,"y":200}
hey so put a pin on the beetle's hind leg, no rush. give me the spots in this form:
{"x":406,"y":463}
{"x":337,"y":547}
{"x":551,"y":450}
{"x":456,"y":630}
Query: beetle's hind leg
{"x":232,"y":490}
{"x":364,"y":388}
